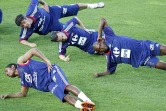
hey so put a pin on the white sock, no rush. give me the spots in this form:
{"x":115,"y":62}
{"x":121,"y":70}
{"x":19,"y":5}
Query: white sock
{"x":83,"y":97}
{"x":78,"y":104}
{"x":92,"y":5}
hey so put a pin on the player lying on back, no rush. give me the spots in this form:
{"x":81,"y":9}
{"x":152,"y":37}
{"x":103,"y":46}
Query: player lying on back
{"x":122,"y":49}
{"x":71,"y":35}
{"x":46,"y":19}
{"x":45,"y":77}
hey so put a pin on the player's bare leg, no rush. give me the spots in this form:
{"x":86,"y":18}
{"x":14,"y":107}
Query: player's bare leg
{"x":77,"y":92}
{"x":73,"y":101}
{"x":74,"y":90}
{"x":161,"y":65}
{"x":163,"y":49}
{"x":87,"y":103}
{"x":92,"y":6}
{"x":70,"y":99}
{"x":83,"y":106}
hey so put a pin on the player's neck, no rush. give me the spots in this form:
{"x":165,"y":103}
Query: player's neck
{"x":16,"y":73}
{"x":30,"y":20}
{"x":107,"y":50}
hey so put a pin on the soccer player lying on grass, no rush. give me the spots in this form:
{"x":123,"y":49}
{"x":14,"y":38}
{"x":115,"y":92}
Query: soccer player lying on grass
{"x":46,"y":19}
{"x":74,"y":36}
{"x":46,"y":77}
{"x":122,"y":49}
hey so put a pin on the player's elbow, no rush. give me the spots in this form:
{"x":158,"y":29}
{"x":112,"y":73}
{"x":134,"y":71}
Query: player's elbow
{"x":61,"y":56}
{"x":20,"y":41}
{"x":102,"y":19}
{"x":23,"y":42}
{"x":24,"y":95}
{"x":34,"y":50}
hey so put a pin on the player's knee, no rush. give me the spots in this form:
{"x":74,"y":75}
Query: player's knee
{"x":164,"y":66}
{"x":163,"y":49}
{"x":68,"y":88}
{"x":161,"y":65}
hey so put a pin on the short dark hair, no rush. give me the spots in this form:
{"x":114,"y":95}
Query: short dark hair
{"x":11,"y":64}
{"x":19,"y":19}
{"x":54,"y":36}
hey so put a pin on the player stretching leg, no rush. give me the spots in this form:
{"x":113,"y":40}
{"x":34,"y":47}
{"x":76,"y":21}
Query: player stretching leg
{"x":46,"y":19}
{"x":45,"y":77}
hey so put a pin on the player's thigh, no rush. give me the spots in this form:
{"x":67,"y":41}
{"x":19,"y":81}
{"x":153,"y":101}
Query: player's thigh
{"x":57,"y":90}
{"x":151,"y":61}
{"x":163,"y":49}
{"x":161,"y":65}
{"x":60,"y":76}
{"x":69,"y":10}
{"x":152,"y":48}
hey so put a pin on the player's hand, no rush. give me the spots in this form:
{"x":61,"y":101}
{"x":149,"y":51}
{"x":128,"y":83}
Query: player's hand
{"x":96,"y":75}
{"x":87,"y":30}
{"x":49,"y":65}
{"x":32,"y":45}
{"x":67,"y":58}
{"x":4,"y":96}
{"x":99,"y":39}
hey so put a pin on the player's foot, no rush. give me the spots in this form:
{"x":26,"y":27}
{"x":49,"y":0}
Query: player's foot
{"x":89,"y":105}
{"x":100,"y":5}
{"x":86,"y":109}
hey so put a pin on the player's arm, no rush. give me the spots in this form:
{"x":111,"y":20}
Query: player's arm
{"x":44,"y":5}
{"x":80,"y":23}
{"x":62,"y":51}
{"x":22,"y":93}
{"x":25,"y":34}
{"x":103,"y":23}
{"x":25,"y":42}
{"x":101,"y":74}
{"x":111,"y":67}
{"x":34,"y":52}
{"x":64,"y":58}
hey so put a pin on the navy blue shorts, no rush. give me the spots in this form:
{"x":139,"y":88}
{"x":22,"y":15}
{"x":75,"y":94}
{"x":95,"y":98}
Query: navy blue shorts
{"x":0,"y":15}
{"x":65,"y":10}
{"x":151,"y":50}
{"x":59,"y":82}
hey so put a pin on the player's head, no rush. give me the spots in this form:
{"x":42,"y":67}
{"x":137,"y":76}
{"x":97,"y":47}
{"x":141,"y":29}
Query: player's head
{"x":58,"y":36}
{"x":22,"y":21}
{"x":100,"y":46}
{"x":10,"y":70}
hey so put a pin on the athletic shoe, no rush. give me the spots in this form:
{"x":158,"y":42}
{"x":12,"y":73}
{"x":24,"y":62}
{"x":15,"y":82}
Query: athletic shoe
{"x":86,"y":109}
{"x":90,"y":105}
{"x":100,"y":5}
